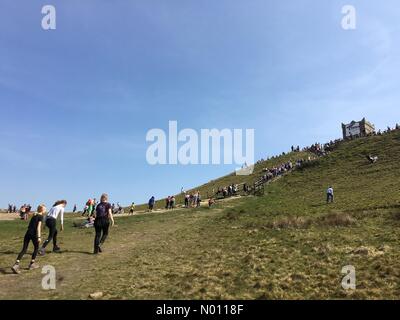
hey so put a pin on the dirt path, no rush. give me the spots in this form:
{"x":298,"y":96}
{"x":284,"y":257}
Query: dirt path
{"x":8,"y":216}
{"x":130,"y":252}
{"x":178,"y":208}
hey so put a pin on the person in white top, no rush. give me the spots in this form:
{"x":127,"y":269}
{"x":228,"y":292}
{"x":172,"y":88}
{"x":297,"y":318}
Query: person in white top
{"x":51,"y":223}
{"x":329,"y":195}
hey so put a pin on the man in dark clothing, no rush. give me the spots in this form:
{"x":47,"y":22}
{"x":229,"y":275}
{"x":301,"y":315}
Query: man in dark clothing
{"x":151,"y":203}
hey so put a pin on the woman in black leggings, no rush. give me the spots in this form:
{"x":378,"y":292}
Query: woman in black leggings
{"x":103,"y":215}
{"x":33,"y":234}
{"x":51,"y":223}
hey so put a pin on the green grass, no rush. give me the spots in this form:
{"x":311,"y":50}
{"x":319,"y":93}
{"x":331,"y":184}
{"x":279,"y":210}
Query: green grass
{"x":287,"y":244}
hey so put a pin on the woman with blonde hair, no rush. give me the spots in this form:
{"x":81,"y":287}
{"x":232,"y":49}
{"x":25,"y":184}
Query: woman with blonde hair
{"x":102,"y":217}
{"x":32,"y":234}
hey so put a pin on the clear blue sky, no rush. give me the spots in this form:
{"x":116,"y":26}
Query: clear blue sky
{"x":76,"y":102}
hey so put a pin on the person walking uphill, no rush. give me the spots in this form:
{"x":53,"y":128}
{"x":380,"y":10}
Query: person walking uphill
{"x":329,"y":195}
{"x":103,"y":215}
{"x":33,"y":234}
{"x":51,"y":223}
{"x":151,"y":203}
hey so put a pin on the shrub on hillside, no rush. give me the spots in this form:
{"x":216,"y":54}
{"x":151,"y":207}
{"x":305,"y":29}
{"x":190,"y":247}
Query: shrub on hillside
{"x":232,"y":215}
{"x":396,"y":215}
{"x":337,"y":220}
{"x":290,"y":222}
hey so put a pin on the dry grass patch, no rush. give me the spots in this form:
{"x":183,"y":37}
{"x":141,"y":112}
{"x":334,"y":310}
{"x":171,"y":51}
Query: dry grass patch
{"x":330,"y":220}
{"x":290,"y":222}
{"x":337,"y":220}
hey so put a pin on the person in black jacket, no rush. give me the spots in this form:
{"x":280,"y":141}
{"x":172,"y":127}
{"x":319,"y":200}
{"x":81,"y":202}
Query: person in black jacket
{"x":32,"y":234}
{"x":102,"y":217}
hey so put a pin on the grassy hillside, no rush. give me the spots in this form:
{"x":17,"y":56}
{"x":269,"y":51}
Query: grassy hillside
{"x":304,"y":242}
{"x":358,"y":184}
{"x":287,"y":244}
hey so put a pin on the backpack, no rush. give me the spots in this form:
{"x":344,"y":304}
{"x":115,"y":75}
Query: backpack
{"x":102,"y":210}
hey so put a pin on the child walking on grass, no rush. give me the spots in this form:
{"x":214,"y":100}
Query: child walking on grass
{"x":32,"y":234}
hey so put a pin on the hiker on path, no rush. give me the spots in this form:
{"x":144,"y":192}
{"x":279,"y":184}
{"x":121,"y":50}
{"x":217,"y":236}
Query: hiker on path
{"x":172,"y":202}
{"x":198,"y":200}
{"x":167,"y":202}
{"x":329,"y":195}
{"x":102,"y":217}
{"x":22,"y":213}
{"x":90,"y":207}
{"x":151,"y":203}
{"x":211,"y":201}
{"x":32,"y":234}
{"x":132,"y":209}
{"x":120,"y":209}
{"x":51,"y":223}
{"x":187,"y":200}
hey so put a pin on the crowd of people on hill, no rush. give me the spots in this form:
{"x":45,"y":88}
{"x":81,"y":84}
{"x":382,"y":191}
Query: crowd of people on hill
{"x":88,"y":209}
{"x":12,"y":208}
{"x":192,"y":200}
{"x":170,"y":202}
{"x":228,"y":191}
{"x":295,"y":149}
{"x":270,"y":173}
{"x":117,"y":208}
{"x":23,"y":210}
{"x":388,"y":130}
{"x":91,"y":205}
{"x":323,"y":149}
{"x":317,"y":149}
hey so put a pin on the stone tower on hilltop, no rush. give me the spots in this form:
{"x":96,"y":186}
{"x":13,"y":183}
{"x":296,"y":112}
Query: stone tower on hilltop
{"x":357,"y":129}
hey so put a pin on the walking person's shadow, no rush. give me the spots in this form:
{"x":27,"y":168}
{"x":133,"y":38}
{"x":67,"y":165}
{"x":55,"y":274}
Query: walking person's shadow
{"x":317,"y":205}
{"x":8,"y":252}
{"x":77,"y":251}
{"x":6,"y":271}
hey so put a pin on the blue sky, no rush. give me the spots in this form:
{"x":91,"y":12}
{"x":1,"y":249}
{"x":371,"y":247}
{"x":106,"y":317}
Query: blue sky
{"x":77,"y":102}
